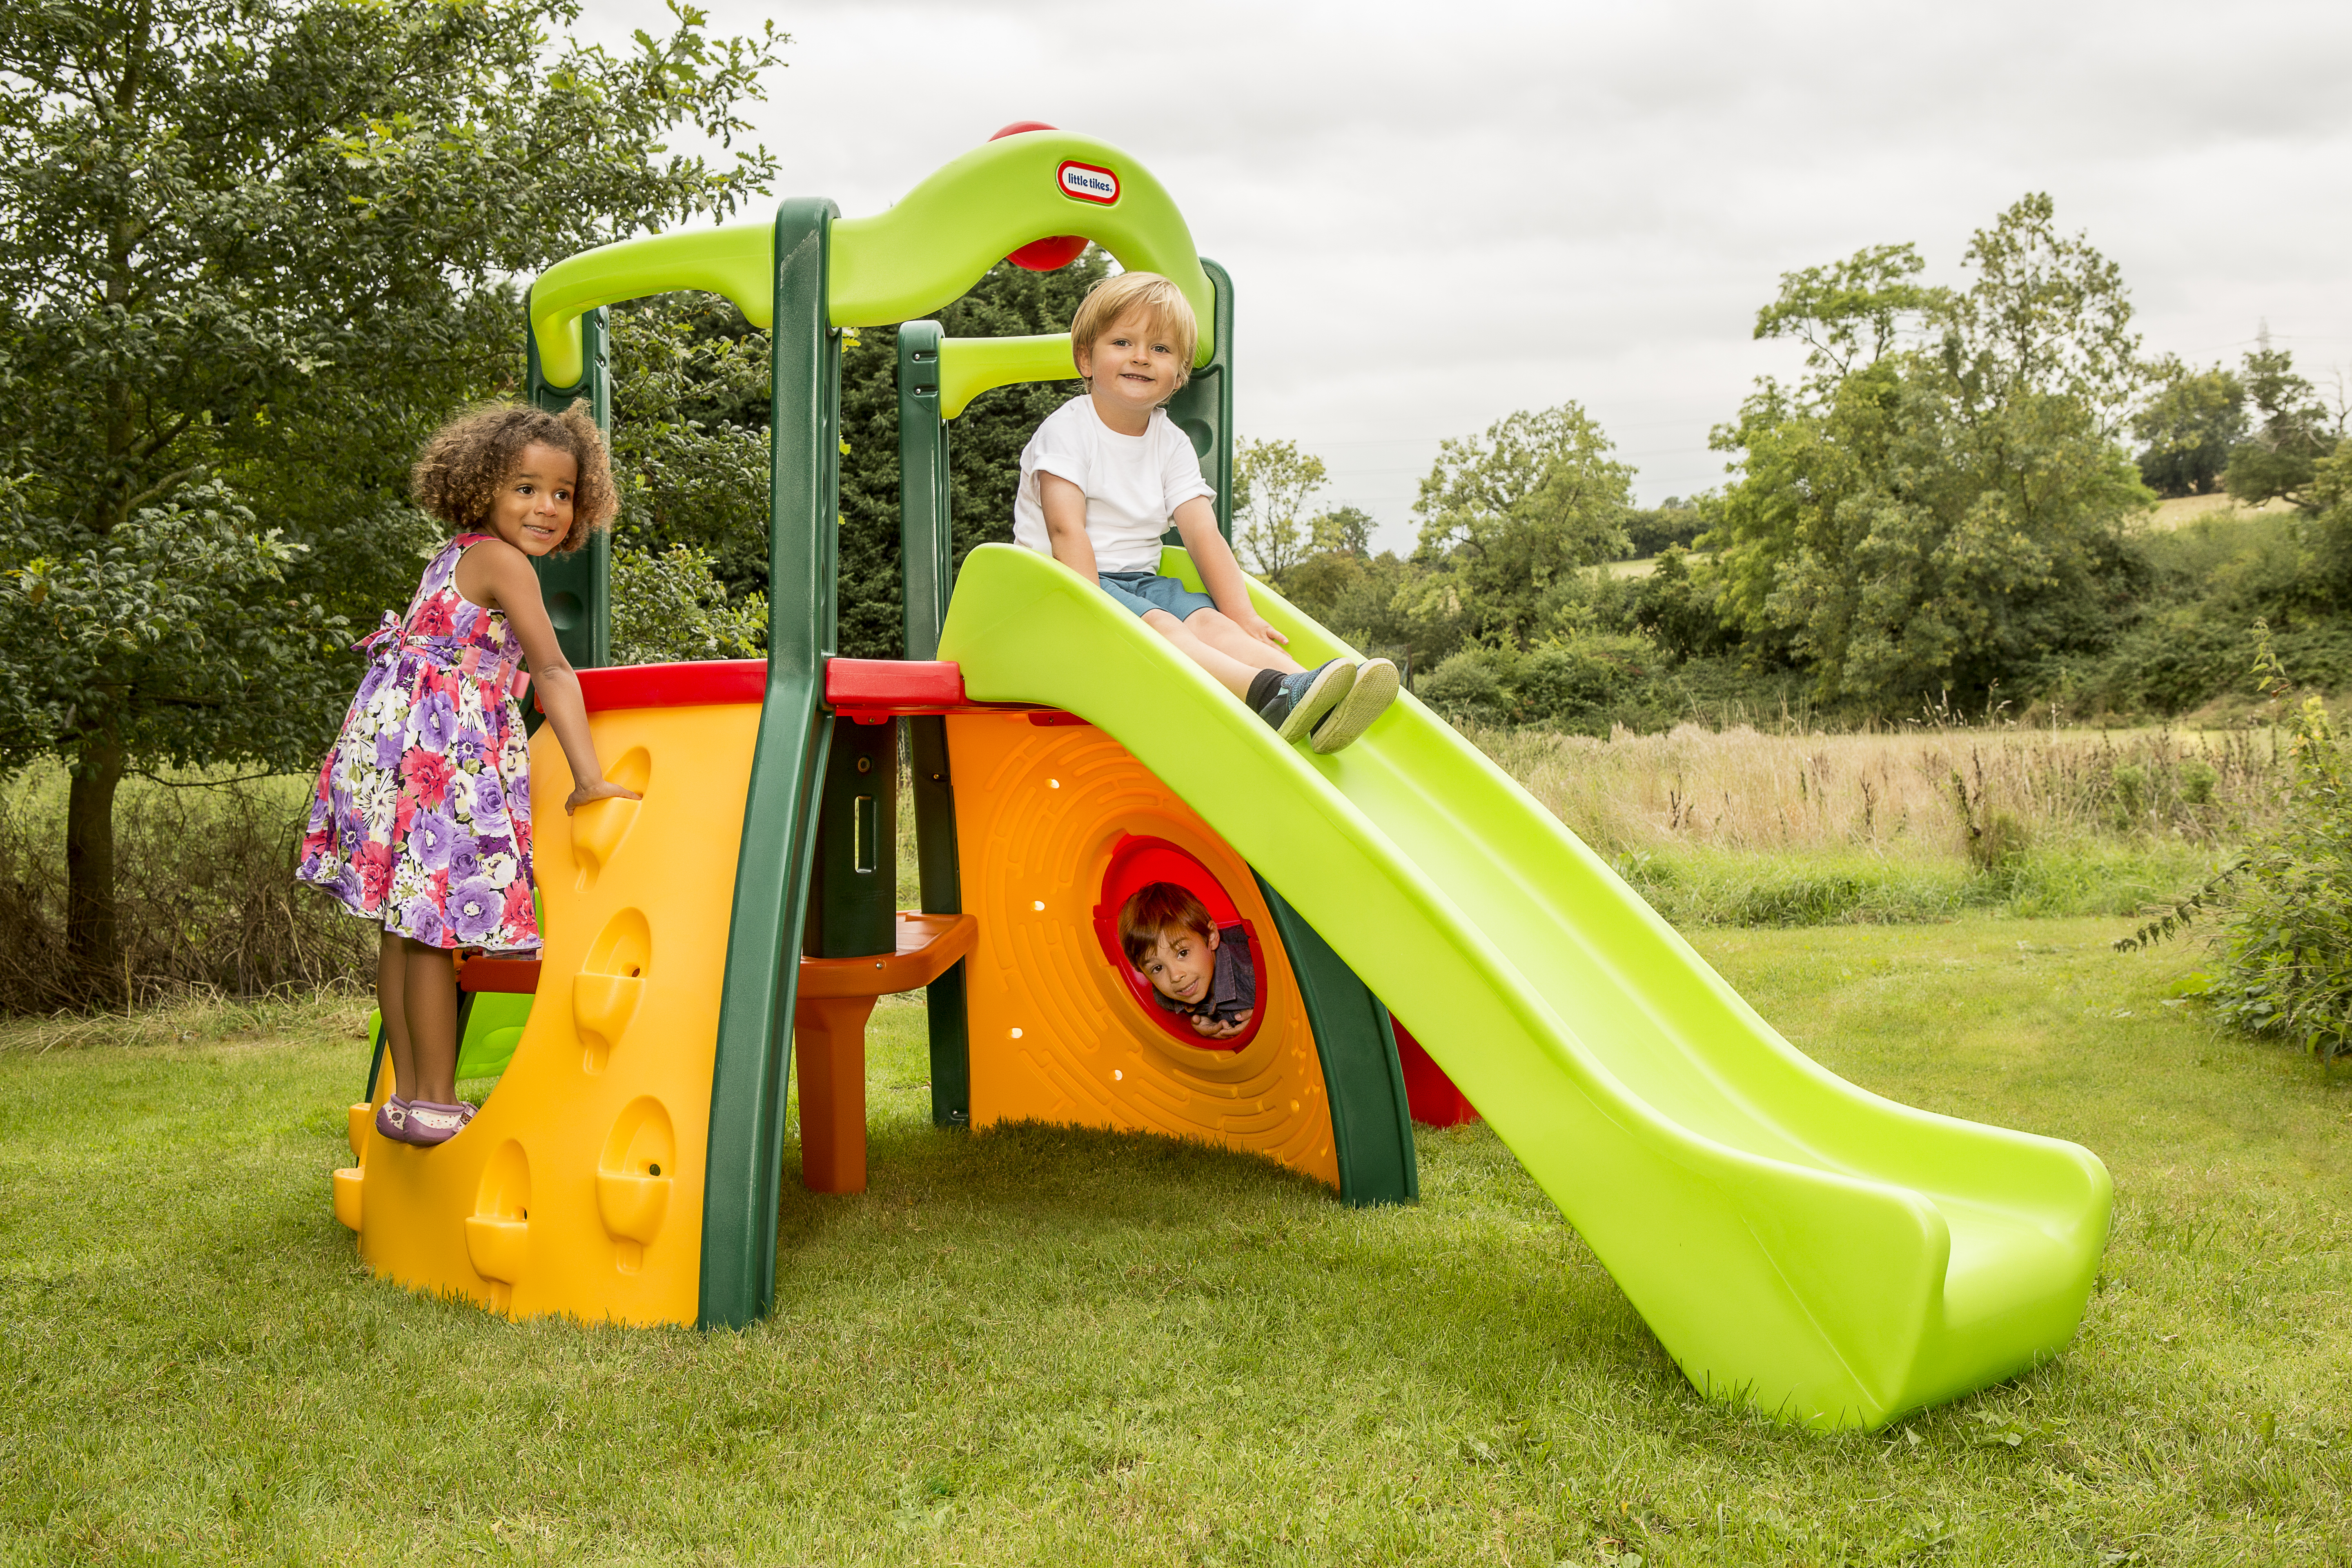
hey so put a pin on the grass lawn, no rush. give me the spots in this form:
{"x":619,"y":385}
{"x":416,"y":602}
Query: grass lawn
{"x":1058,"y":1347}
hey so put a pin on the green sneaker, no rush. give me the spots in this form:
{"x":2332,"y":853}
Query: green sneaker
{"x":1304,"y":698}
{"x":1375,"y":689}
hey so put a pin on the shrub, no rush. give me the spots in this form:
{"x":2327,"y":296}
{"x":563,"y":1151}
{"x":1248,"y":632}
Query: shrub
{"x":668,"y":606}
{"x":1465,"y":686}
{"x":2286,"y":965}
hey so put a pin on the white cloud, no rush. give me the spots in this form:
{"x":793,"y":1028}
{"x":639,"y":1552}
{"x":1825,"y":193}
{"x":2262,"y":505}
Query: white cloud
{"x":1437,"y":213}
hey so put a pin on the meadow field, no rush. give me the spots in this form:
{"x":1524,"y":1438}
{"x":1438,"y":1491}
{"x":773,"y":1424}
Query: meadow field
{"x":1041,"y":1345}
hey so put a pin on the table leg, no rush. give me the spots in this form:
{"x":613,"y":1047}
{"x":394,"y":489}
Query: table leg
{"x":829,"y":1048}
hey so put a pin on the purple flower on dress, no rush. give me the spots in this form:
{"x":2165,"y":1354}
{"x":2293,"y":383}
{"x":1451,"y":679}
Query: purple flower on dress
{"x":387,"y":751}
{"x":431,"y":836}
{"x":421,"y":922}
{"x":474,"y":910}
{"x":465,"y":864}
{"x":489,"y":845}
{"x":436,"y":722}
{"x":490,"y":796}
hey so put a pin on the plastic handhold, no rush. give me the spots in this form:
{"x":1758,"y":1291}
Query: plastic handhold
{"x":350,"y":1182}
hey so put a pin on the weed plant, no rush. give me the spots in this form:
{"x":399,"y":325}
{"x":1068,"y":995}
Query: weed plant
{"x":1738,"y":827}
{"x":204,"y":891}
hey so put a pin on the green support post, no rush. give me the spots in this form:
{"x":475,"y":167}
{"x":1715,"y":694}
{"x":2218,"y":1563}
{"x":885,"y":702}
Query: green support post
{"x":925,"y":546}
{"x":1372,"y":1125}
{"x":577,"y":585}
{"x":1203,"y":410}
{"x":749,"y":1078}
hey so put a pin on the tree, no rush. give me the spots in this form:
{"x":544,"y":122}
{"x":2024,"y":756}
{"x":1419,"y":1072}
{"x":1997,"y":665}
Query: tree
{"x":2189,"y":426}
{"x":1342,"y":530}
{"x":1273,"y":481}
{"x":1945,"y":511}
{"x":250,"y":252}
{"x":1513,"y":515}
{"x":2296,"y":431}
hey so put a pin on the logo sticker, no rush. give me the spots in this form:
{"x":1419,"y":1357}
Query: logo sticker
{"x":1088,"y":182}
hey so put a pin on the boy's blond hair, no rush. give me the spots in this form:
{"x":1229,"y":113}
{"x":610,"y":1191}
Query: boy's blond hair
{"x":1170,"y":315}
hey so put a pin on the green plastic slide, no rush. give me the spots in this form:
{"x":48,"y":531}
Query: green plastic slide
{"x":1796,"y":1243}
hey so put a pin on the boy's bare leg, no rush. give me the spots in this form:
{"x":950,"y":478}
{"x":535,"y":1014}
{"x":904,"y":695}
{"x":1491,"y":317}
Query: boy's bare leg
{"x":431,"y":993}
{"x":1231,"y":672}
{"x":1219,"y":632}
{"x":392,"y":1000}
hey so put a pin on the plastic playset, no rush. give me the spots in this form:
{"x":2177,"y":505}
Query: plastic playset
{"x":1793,"y":1241}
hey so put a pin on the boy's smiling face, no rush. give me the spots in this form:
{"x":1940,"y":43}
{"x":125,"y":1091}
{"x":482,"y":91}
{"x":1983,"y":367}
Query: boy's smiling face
{"x":1131,"y":369}
{"x":1183,"y":964}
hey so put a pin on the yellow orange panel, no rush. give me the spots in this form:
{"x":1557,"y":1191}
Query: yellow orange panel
{"x":1054,"y":1034}
{"x":579,"y":1187}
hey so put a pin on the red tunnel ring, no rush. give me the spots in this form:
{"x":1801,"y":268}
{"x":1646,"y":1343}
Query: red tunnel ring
{"x":1135,"y":862}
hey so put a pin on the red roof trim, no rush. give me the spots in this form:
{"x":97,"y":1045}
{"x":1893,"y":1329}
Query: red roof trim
{"x":708,"y":684}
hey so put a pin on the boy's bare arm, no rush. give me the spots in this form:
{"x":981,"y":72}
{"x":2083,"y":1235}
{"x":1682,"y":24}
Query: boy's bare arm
{"x":1065,"y":524}
{"x":1221,"y":574}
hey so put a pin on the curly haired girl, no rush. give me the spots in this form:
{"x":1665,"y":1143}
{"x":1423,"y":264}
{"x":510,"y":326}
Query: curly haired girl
{"x":420,"y":821}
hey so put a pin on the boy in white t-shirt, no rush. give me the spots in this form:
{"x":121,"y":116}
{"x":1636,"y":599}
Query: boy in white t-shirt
{"x":1105,"y":474}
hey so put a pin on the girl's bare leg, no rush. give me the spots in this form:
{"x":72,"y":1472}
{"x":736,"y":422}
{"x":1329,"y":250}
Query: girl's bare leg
{"x":431,"y":992}
{"x":392,"y":1000}
{"x":1234,"y":665}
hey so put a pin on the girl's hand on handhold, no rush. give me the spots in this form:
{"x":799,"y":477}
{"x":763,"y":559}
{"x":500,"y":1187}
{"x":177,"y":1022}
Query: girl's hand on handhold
{"x":603,"y":789}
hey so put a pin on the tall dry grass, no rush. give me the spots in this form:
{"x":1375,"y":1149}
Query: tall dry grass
{"x":204,"y":896}
{"x":1977,"y":794}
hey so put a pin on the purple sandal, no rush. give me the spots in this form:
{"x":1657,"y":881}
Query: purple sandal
{"x":431,"y":1123}
{"x":392,"y":1119}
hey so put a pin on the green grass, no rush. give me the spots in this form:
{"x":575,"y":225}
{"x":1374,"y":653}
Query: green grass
{"x":1050,"y":1346}
{"x":1697,"y":886}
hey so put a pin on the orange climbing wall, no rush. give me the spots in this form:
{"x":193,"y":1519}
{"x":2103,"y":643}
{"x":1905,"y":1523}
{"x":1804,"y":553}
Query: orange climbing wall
{"x":579,"y":1187}
{"x":1054,"y":1035}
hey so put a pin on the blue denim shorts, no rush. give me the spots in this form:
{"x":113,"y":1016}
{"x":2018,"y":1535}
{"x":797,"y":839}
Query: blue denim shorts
{"x":1141,"y":592}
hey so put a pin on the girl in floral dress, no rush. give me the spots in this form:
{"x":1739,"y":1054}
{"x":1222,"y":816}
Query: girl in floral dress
{"x":422,"y":818}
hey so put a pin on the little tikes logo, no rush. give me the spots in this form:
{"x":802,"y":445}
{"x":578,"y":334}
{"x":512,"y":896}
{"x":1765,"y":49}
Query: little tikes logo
{"x":1088,"y":182}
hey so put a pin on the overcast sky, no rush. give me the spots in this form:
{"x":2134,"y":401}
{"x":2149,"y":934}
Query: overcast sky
{"x":1437,"y":213}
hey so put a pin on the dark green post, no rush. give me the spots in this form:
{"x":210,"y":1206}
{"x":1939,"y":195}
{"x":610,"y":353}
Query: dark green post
{"x":925,"y":546}
{"x":1372,"y":1125}
{"x":745,"y":1158}
{"x":1204,"y":409}
{"x":853,"y":906}
{"x":577,"y":585}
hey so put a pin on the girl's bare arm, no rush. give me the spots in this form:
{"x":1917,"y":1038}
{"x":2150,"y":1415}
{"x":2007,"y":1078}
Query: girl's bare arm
{"x":1221,"y":574}
{"x":514,"y":590}
{"x":1065,"y":524}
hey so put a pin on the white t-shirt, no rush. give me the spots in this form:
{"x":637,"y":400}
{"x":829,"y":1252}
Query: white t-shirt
{"x":1133,"y":483}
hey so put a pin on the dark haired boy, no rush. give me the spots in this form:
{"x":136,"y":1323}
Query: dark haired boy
{"x":1195,"y":968}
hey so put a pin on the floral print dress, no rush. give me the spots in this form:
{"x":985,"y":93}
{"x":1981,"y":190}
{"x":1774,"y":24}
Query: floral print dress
{"x":422,"y":817}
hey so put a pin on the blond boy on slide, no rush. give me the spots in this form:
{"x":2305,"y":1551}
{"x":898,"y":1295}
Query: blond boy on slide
{"x":1105,"y":474}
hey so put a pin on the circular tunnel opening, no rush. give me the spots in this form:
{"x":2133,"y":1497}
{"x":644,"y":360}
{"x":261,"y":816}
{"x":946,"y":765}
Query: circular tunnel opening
{"x":1135,"y":864}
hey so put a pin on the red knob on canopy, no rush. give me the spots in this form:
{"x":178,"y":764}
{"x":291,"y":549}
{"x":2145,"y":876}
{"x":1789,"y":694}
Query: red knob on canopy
{"x":1043,"y":255}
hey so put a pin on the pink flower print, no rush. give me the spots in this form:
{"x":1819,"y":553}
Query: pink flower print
{"x":403,"y":815}
{"x":433,"y":620}
{"x":516,"y":916}
{"x":374,"y":863}
{"x":426,"y":776}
